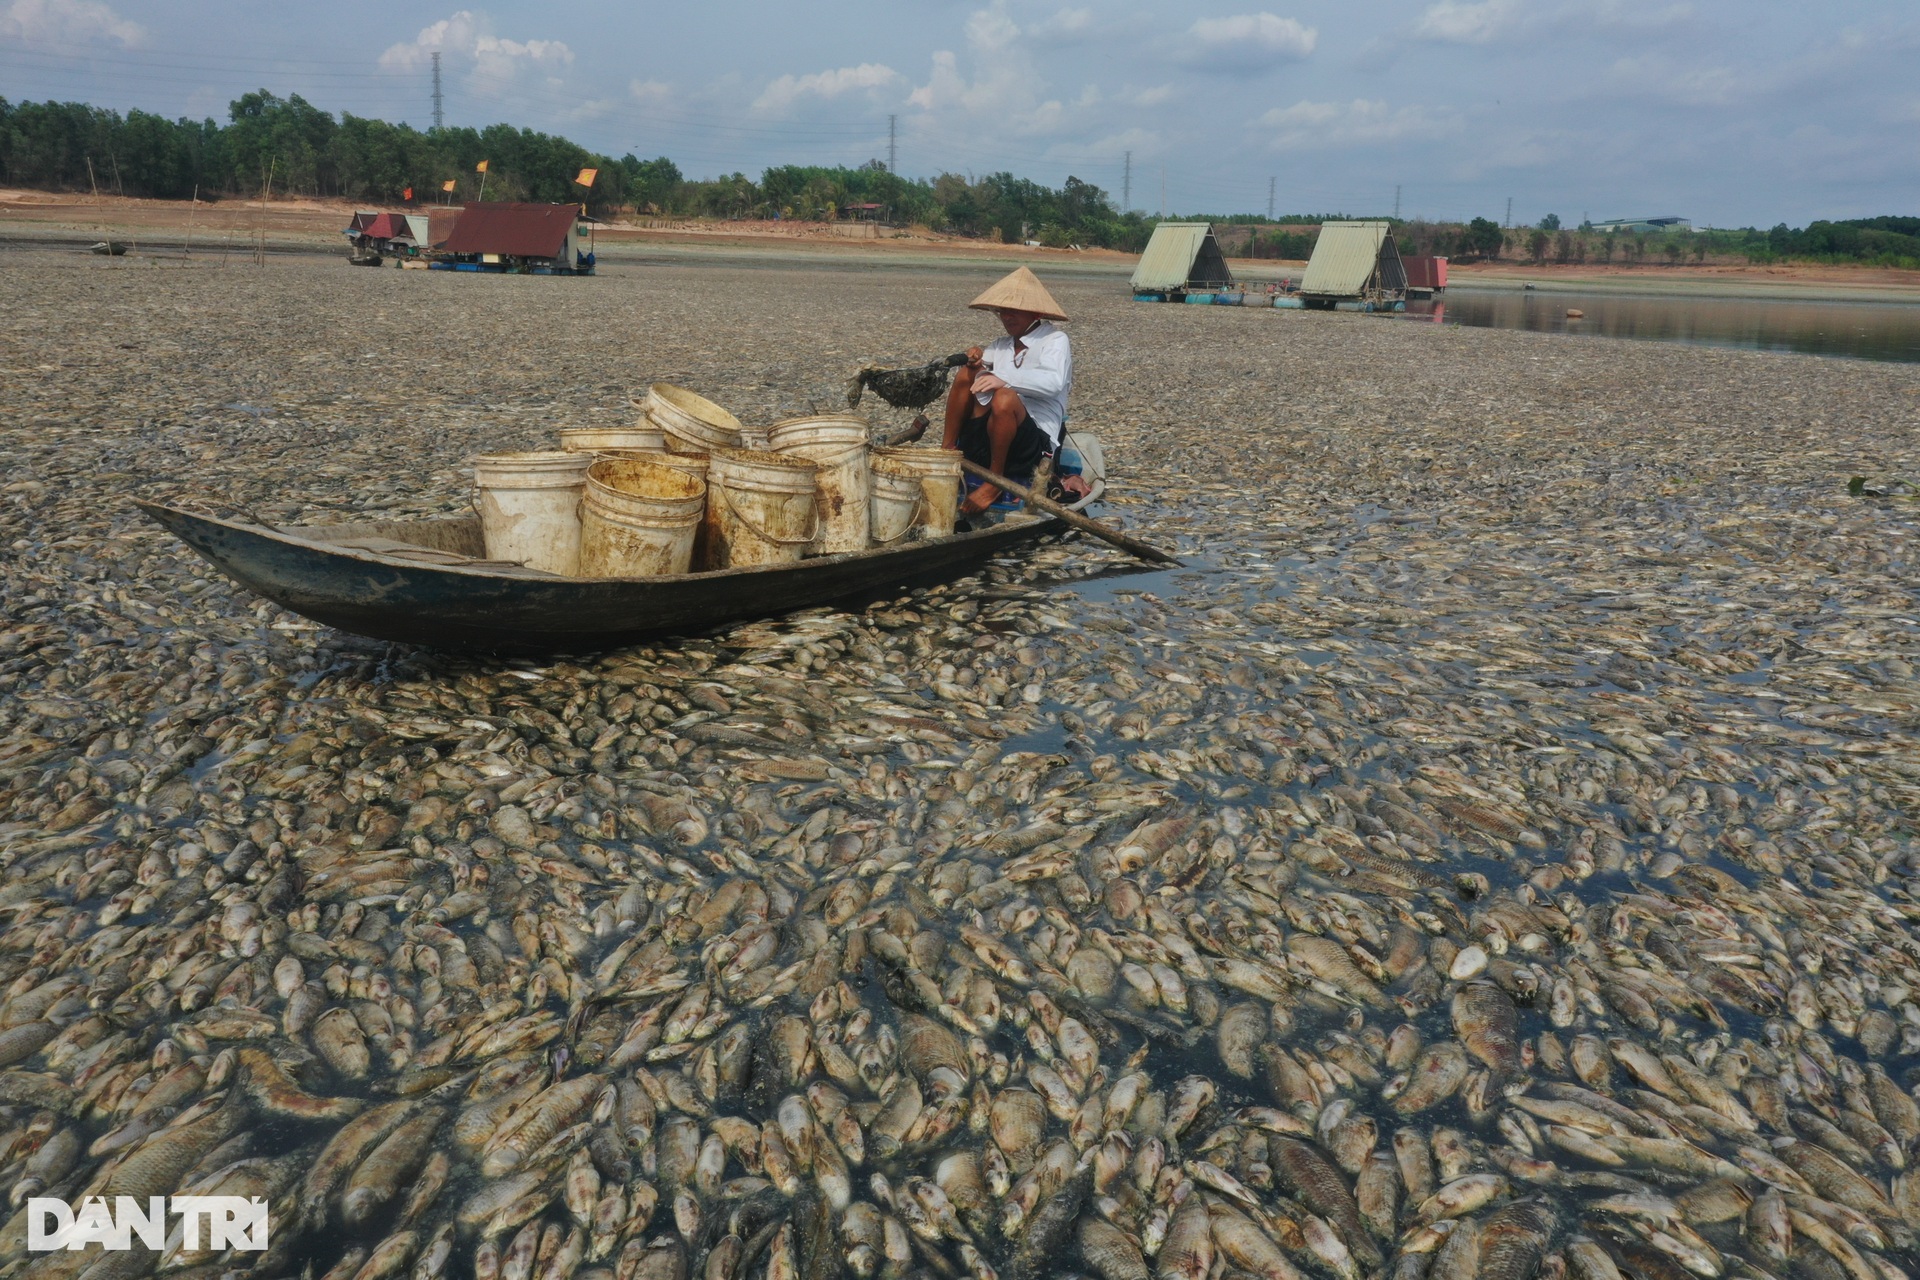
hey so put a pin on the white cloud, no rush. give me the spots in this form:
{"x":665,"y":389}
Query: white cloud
{"x":1631,"y":16}
{"x":1153,"y":97}
{"x":1661,"y":79}
{"x":66,"y":22}
{"x":458,"y":33}
{"x":493,"y":63}
{"x":1064,"y":25}
{"x":1006,"y":83}
{"x":1249,"y":41}
{"x":1309,"y":126}
{"x":1452,"y":22}
{"x":787,"y":90}
{"x":991,"y":30}
{"x":649,"y":90}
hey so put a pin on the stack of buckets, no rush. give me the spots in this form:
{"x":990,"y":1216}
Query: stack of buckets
{"x":691,"y":488}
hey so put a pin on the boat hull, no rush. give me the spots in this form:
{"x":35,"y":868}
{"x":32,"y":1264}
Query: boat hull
{"x":505,"y":610}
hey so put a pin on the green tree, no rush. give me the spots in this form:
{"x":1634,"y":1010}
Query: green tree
{"x":1550,"y":223}
{"x":285,"y":139}
{"x":1484,"y":238}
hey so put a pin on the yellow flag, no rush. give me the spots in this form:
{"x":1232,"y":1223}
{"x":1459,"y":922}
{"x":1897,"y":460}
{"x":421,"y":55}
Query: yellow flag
{"x":481,"y":167}
{"x":586,"y":177}
{"x":447,"y":185}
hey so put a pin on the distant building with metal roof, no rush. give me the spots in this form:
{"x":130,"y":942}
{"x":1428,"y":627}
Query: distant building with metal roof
{"x":505,"y":235}
{"x":1354,"y":261}
{"x":375,"y":236}
{"x":1664,"y":222}
{"x":1182,"y":257}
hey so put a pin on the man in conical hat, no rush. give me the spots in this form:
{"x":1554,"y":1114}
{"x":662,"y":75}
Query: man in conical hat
{"x":1008,"y":407}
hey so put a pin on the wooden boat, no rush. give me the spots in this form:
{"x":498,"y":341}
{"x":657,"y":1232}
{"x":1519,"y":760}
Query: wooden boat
{"x":108,"y":248}
{"x":428,"y":582}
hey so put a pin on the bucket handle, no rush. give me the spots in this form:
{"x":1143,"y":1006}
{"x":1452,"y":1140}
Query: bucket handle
{"x":919,"y":504}
{"x":762,"y":534}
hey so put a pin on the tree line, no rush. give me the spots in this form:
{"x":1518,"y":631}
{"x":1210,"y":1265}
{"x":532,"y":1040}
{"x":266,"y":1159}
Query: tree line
{"x":288,"y":146}
{"x":1884,"y":241}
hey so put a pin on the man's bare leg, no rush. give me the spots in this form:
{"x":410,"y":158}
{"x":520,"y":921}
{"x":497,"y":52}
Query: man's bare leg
{"x":1004,"y":416}
{"x":959,"y":402}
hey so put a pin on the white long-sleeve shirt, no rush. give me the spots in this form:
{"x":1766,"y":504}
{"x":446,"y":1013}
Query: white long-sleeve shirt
{"x":1042,"y":372}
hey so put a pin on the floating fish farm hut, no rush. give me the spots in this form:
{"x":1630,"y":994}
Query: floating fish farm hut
{"x":519,"y":238}
{"x":1355,"y":267}
{"x":1183,"y":263}
{"x":1426,"y":276}
{"x":376,"y":236}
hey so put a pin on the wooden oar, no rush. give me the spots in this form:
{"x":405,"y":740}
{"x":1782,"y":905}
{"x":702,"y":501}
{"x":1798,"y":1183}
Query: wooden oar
{"x":1073,"y":518}
{"x":1041,"y":501}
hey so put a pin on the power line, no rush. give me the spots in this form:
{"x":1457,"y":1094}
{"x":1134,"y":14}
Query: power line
{"x":893,"y":150}
{"x":1126,"y":186}
{"x":1509,"y":220}
{"x":1271,"y":182}
{"x":439,"y":117}
{"x":1396,"y":202}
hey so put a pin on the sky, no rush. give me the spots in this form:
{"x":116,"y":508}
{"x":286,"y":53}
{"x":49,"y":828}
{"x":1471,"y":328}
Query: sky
{"x":1728,"y":112}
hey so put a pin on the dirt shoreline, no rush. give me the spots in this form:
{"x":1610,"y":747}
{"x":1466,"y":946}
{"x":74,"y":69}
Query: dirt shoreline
{"x":163,"y":228}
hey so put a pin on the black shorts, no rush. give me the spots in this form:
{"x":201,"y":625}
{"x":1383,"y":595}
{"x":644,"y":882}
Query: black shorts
{"x":1030,"y":444}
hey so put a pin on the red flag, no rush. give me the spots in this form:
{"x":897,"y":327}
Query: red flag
{"x":409,"y":194}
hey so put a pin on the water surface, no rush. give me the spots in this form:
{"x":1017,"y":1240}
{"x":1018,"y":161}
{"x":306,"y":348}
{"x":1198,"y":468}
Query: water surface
{"x":1860,"y":330}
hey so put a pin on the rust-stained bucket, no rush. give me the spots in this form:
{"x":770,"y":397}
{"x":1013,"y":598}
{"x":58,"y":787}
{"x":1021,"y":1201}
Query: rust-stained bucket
{"x":839,"y":445}
{"x":529,"y":505}
{"x":939,"y":472}
{"x":638,"y":519}
{"x":691,"y":423}
{"x":763,"y":506}
{"x":897,"y":497}
{"x":695,"y":465}
{"x":644,"y":435}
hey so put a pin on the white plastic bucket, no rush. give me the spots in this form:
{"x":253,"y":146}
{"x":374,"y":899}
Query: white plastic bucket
{"x":644,"y":435}
{"x":638,"y":519}
{"x":529,"y":505}
{"x":839,"y":445}
{"x":939,"y":472}
{"x":897,"y":498}
{"x":695,"y":465}
{"x":763,"y":505}
{"x":691,"y":423}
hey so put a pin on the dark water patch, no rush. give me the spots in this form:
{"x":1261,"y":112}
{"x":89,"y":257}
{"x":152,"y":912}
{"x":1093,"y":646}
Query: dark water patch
{"x":1855,"y":330}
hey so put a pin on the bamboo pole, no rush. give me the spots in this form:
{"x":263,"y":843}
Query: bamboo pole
{"x":1073,"y":519}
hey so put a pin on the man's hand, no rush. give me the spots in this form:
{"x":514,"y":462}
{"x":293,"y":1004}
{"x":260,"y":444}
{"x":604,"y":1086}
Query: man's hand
{"x":974,"y":356}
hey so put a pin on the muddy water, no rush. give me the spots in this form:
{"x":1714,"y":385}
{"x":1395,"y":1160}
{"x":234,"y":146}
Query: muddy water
{"x":1862,"y":331}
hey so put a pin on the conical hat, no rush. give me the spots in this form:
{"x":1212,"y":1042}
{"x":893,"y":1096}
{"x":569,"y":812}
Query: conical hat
{"x":1019,"y":290}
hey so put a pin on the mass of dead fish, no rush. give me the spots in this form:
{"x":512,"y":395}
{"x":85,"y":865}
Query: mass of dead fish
{"x":1321,"y":912}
